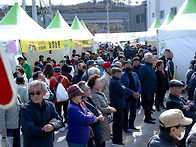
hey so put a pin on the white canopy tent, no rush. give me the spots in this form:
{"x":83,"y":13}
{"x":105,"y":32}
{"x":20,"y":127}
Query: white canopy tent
{"x":180,"y":37}
{"x":18,"y":25}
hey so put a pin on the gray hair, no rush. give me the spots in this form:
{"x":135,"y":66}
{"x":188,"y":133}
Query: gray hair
{"x":38,"y":82}
{"x":146,"y":55}
{"x":92,"y":70}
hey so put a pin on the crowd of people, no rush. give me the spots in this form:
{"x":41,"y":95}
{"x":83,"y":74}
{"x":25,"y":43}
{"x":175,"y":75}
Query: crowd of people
{"x":101,"y":88}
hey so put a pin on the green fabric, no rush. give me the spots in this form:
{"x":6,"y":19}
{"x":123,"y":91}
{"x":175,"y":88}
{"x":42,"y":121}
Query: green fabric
{"x":27,"y":69}
{"x":83,"y":24}
{"x":56,"y":22}
{"x":76,"y":25}
{"x":189,"y":6}
{"x":169,"y":18}
{"x":12,"y":16}
{"x":157,"y":23}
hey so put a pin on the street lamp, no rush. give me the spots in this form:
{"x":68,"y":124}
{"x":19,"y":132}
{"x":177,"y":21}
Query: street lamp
{"x":108,"y":23}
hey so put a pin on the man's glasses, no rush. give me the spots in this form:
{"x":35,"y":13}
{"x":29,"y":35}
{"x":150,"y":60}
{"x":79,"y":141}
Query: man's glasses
{"x":35,"y":93}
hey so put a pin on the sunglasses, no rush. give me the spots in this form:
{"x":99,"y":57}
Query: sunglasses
{"x":35,"y":93}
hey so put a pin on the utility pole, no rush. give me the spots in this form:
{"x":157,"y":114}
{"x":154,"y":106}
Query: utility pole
{"x":34,"y":10}
{"x":50,"y":8}
{"x":42,"y":15}
{"x":108,"y":21}
{"x":23,"y":4}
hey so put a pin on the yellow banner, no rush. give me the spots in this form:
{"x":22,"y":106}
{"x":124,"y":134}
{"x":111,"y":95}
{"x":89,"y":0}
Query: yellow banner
{"x":81,"y":43}
{"x":43,"y":45}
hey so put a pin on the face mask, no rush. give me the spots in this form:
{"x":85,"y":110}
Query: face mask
{"x":182,"y":135}
{"x":80,"y":71}
{"x":128,"y":70}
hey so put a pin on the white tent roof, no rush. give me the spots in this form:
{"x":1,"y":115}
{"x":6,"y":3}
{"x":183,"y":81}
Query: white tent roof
{"x":180,"y":37}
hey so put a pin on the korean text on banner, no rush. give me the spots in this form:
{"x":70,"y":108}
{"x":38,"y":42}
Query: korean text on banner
{"x":43,"y":45}
{"x":81,"y":43}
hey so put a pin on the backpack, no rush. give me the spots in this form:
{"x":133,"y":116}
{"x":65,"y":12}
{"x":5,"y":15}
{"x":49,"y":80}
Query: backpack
{"x":61,"y":93}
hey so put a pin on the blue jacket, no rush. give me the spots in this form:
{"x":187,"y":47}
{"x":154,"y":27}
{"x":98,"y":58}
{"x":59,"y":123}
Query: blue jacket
{"x":116,"y":93}
{"x":78,"y":123}
{"x":101,"y":70}
{"x":137,"y":69}
{"x":126,"y":82}
{"x":191,"y":87}
{"x":33,"y":119}
{"x":148,"y":79}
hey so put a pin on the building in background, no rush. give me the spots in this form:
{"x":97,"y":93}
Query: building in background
{"x":138,"y":19}
{"x":160,"y":9}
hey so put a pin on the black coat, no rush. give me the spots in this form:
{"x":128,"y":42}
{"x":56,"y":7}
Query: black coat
{"x":162,"y":139}
{"x":33,"y":119}
{"x":116,"y":93}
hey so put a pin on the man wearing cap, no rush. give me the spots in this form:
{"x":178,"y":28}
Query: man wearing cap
{"x":105,"y":79}
{"x":89,"y":64}
{"x":100,"y":66}
{"x":79,"y":118}
{"x":172,"y":128}
{"x":116,"y":94}
{"x":136,"y":65}
{"x":26,"y":66}
{"x":58,"y":77}
{"x":131,"y":81}
{"x":176,"y":101}
{"x":148,"y":86}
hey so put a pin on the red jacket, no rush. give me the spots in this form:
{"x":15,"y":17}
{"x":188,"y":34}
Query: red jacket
{"x":65,"y":82}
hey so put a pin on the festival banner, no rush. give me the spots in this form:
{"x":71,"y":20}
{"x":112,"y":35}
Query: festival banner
{"x":9,"y":46}
{"x":43,"y":45}
{"x":81,"y":43}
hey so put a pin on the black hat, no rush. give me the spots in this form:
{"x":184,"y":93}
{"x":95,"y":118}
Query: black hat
{"x":20,"y":58}
{"x":175,"y":83}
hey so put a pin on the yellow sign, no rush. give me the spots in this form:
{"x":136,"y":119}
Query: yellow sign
{"x":43,"y":45}
{"x":81,"y":43}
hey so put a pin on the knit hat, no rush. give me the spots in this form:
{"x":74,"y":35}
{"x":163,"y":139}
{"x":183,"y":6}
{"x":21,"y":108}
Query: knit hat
{"x":74,"y":90}
{"x":100,"y":62}
{"x":174,"y":117}
{"x":106,"y":65}
{"x":57,"y":69}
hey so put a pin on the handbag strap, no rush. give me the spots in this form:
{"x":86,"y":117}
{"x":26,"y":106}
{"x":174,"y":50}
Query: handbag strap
{"x":102,"y":99}
{"x":57,"y":81}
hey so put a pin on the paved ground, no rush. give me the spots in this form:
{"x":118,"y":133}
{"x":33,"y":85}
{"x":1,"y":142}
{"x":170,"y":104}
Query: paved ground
{"x":138,"y":139}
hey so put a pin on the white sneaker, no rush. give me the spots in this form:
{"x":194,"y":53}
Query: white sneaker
{"x":62,"y":129}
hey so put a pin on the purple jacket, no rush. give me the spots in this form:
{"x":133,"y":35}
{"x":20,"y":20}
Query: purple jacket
{"x":78,"y":123}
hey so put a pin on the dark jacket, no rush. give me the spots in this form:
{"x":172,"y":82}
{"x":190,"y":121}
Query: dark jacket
{"x":148,"y":79}
{"x":161,"y":78}
{"x":116,"y":93}
{"x":77,"y":77}
{"x":85,"y":76}
{"x":162,"y":139}
{"x":178,"y":103}
{"x":125,"y":80}
{"x":164,"y":60}
{"x":189,"y":74}
{"x":137,"y":69}
{"x":33,"y":119}
{"x":191,"y":87}
{"x":96,"y":125}
{"x":78,"y":123}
